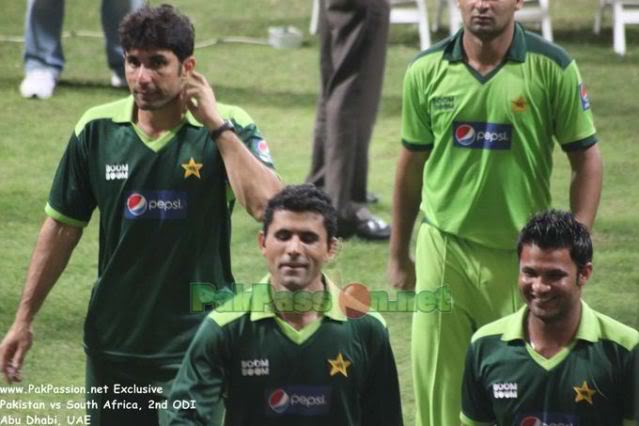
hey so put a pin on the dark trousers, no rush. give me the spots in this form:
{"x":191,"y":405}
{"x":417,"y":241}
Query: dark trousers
{"x":353,"y":37}
{"x":107,"y":406}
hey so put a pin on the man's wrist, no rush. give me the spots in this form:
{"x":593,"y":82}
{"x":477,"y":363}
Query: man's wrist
{"x":226,"y":125}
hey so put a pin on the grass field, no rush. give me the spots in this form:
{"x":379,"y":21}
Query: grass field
{"x":279,"y":88}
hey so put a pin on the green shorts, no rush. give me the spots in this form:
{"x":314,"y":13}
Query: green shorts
{"x":482,"y":283}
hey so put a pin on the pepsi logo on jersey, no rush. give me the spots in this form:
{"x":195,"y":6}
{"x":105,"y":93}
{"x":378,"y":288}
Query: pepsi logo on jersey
{"x":155,"y":205}
{"x":298,"y":400}
{"x":482,"y":135}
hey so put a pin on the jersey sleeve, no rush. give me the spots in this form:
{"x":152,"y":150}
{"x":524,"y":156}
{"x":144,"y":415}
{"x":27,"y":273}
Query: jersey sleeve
{"x":249,"y":133}
{"x":381,"y":402}
{"x":251,"y":136}
{"x":71,"y":199}
{"x":573,"y":122}
{"x":476,"y":405}
{"x":201,"y":380}
{"x":417,"y":133}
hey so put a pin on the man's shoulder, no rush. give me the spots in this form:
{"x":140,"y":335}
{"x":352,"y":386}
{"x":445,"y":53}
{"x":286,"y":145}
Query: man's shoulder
{"x":235,"y":113}
{"x":109,"y":110}
{"x":496,"y":328}
{"x":537,"y":45}
{"x":617,"y":332}
{"x":232,"y":310}
{"x":433,"y":55}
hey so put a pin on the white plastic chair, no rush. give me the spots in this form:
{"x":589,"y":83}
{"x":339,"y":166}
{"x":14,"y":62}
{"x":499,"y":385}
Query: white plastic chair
{"x":623,"y":12}
{"x":535,"y":11}
{"x":402,"y":12}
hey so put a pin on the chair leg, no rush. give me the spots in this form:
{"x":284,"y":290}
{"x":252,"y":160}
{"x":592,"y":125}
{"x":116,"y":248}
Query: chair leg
{"x":455,"y":20}
{"x":314,"y":17}
{"x":599,"y":17}
{"x":439,"y":13}
{"x":424,"y":30}
{"x":619,"y":30}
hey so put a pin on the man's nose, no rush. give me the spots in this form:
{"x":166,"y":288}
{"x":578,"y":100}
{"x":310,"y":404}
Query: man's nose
{"x":294,"y":246}
{"x":539,"y":286}
{"x":143,"y":75}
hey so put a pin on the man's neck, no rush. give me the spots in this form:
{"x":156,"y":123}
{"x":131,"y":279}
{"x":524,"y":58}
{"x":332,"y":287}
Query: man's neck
{"x":484,"y":55}
{"x":299,"y":320}
{"x":548,"y":338}
{"x":155,"y":122}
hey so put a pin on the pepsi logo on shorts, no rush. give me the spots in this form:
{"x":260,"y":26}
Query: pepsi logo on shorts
{"x":482,"y":135}
{"x":155,"y":205}
{"x":298,"y":400}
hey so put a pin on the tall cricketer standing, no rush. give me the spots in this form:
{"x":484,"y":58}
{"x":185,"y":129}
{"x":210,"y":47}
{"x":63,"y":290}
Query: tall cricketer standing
{"x":481,"y":112}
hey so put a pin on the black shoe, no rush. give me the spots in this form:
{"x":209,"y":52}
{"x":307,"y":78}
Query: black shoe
{"x":374,"y":229}
{"x":371,"y":198}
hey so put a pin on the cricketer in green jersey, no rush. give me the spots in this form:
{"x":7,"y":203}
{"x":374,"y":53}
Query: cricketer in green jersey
{"x":556,"y":361}
{"x":157,"y":165}
{"x":298,"y":364}
{"x":482,"y":111}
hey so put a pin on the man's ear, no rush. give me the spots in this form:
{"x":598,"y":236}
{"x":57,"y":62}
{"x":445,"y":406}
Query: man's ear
{"x":188,"y":65}
{"x":261,"y":241}
{"x":334,"y":246}
{"x":584,"y":274}
{"x":519,"y":4}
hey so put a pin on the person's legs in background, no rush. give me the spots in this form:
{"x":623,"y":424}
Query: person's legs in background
{"x":353,"y":43}
{"x":43,"y":55}
{"x":112,"y":13}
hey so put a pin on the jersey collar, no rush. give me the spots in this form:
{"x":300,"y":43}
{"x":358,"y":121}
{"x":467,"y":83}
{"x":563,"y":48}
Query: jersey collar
{"x":125,"y":115}
{"x":588,"y":328}
{"x":262,"y":293}
{"x":454,"y":52}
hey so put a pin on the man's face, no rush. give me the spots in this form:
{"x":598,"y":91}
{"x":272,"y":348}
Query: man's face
{"x":487,"y":19}
{"x":550,"y":282}
{"x":296,"y":248}
{"x":155,"y":76}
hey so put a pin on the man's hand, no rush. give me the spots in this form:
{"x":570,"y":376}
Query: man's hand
{"x":13,"y":349}
{"x":200,"y":100}
{"x":401,"y":273}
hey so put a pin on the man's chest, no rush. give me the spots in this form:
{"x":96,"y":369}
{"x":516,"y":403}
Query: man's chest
{"x":506,"y":108}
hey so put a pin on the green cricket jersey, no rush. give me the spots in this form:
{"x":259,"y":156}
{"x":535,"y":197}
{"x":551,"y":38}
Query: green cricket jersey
{"x":335,"y":371}
{"x":491,"y":138}
{"x":164,"y":224}
{"x":590,"y":383}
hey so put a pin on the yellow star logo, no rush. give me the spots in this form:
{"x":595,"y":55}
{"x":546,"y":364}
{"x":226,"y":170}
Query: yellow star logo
{"x":192,"y":168}
{"x":519,"y":104}
{"x":584,"y":393}
{"x":339,"y":365}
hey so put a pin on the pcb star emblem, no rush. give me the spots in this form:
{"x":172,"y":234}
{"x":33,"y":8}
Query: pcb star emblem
{"x":192,"y":168}
{"x":519,"y":104}
{"x":584,"y":393}
{"x":339,"y":365}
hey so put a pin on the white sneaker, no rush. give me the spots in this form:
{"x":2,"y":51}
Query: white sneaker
{"x":38,"y":83}
{"x":117,"y":81}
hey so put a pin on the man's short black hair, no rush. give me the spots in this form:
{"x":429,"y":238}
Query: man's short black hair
{"x":557,"y":229}
{"x":303,"y":198}
{"x":162,"y":27}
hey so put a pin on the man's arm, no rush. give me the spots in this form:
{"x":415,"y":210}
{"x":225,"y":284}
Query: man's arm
{"x":56,"y":242}
{"x":252,"y":182}
{"x":585,"y":183}
{"x":406,"y":199}
{"x":381,"y":402}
